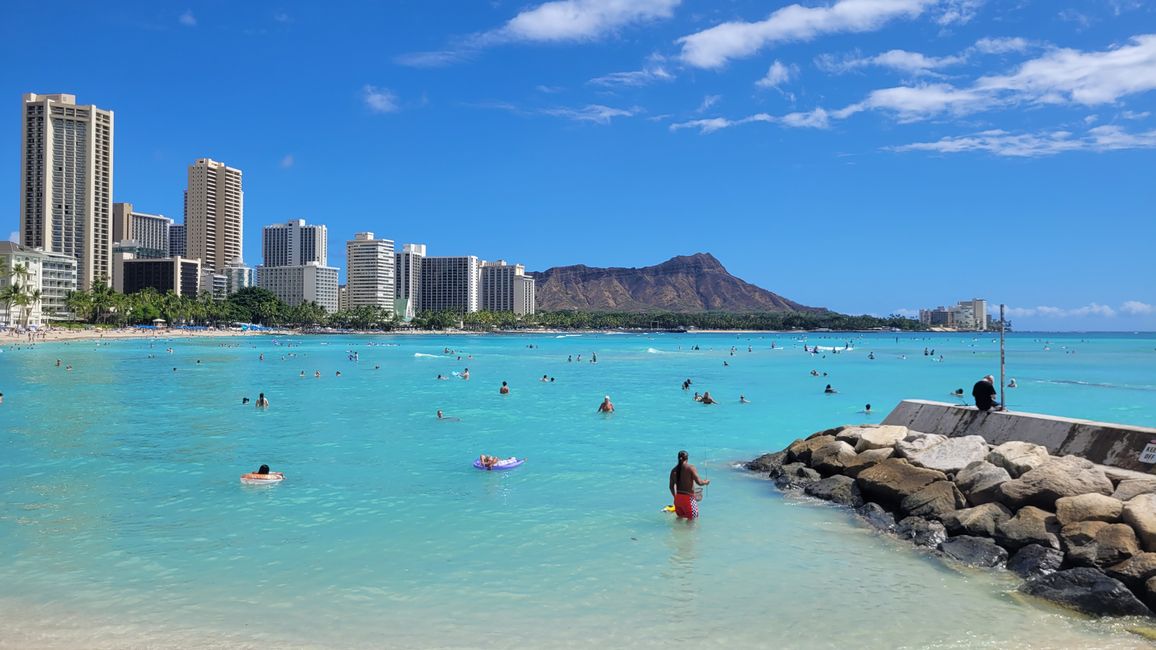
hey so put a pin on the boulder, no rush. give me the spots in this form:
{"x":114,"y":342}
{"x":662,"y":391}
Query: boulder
{"x":1059,"y":477}
{"x":1098,"y":543}
{"x":1035,"y":560}
{"x":1018,"y":457}
{"x":1131,"y":487}
{"x":1150,"y":593}
{"x":1088,"y":507}
{"x":1088,"y":591}
{"x":980,"y":520}
{"x":1140,"y":514}
{"x":826,"y":432}
{"x":979,"y":481}
{"x":766,"y":463}
{"x":839,"y":489}
{"x":921,"y":532}
{"x":875,"y":515}
{"x":851,"y":435}
{"x":1029,"y":526}
{"x":795,"y":475}
{"x":865,"y":459}
{"x":893,"y":480}
{"x":832,"y":457}
{"x":951,"y":455}
{"x":883,"y":437}
{"x":800,"y":451}
{"x":934,"y":501}
{"x":1134,"y":571}
{"x":974,"y":551}
{"x":916,"y":442}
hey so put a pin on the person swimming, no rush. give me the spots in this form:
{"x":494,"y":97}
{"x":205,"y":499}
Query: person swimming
{"x":1011,"y":383}
{"x":262,"y":401}
{"x":867,"y":409}
{"x":828,"y":390}
{"x":707,"y":399}
{"x":244,"y":400}
{"x":504,"y":390}
{"x":606,"y":406}
{"x":743,"y":399}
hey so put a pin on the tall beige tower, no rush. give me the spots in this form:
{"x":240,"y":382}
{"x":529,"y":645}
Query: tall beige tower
{"x":66,"y":182}
{"x":214,"y":214}
{"x":369,"y":271}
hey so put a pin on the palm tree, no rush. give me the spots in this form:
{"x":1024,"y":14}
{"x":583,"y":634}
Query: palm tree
{"x":31,"y":298}
{"x":8,"y":296}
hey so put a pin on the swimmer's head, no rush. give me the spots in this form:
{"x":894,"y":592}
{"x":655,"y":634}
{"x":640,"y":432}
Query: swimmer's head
{"x":264,"y":469}
{"x":606,"y":397}
{"x":683,"y":456}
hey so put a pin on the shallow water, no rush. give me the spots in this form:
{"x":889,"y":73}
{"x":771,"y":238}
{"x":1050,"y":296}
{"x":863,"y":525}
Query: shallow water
{"x":122,"y":520}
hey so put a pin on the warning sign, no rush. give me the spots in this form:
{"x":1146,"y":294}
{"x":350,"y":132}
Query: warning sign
{"x":1149,"y":453}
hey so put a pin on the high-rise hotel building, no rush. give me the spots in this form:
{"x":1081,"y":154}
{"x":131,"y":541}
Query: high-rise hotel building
{"x":506,"y":287}
{"x":66,"y":182}
{"x":149,"y":231}
{"x":449,"y":284}
{"x":369,"y":271}
{"x":407,"y":279}
{"x":214,"y":213}
{"x":294,"y":243}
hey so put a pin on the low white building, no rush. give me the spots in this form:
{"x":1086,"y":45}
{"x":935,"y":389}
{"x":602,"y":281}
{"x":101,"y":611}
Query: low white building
{"x":297,"y":284}
{"x":23,"y":268}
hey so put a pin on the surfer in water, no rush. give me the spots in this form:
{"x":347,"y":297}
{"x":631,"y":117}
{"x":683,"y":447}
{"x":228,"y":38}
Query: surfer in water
{"x":683,"y":478}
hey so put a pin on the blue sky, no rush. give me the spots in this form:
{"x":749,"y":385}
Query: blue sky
{"x":869,"y":156}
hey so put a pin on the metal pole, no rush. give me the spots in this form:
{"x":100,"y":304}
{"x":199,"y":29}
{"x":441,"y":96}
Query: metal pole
{"x":1002,"y":397}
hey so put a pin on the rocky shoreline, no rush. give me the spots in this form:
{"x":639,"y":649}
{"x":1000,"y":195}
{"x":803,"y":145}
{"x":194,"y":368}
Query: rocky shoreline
{"x":1077,"y":535}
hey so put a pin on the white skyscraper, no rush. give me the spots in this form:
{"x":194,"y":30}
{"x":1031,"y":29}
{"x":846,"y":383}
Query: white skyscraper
{"x":369,"y":271}
{"x":408,"y":280}
{"x":66,"y":182}
{"x":293,"y":243}
{"x":214,"y":213}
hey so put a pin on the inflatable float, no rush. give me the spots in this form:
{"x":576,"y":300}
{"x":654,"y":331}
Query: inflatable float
{"x":505,"y":463}
{"x":253,"y":478}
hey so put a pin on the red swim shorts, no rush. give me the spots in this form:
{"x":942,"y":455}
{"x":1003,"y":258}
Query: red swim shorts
{"x":685,"y":506}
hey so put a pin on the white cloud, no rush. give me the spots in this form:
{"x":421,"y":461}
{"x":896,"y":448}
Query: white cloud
{"x":578,"y":20}
{"x":707,"y":103}
{"x":654,"y":70}
{"x":1030,"y":145}
{"x":1001,"y":45}
{"x":901,"y":60}
{"x":281,"y":17}
{"x":433,"y":59}
{"x":958,"y":12}
{"x":188,"y":19}
{"x":14,"y":237}
{"x":1133,"y":115}
{"x":380,"y":100}
{"x":1137,"y":308}
{"x":549,"y":90}
{"x":1091,"y":119}
{"x":1091,"y":309}
{"x":777,"y":75}
{"x":714,"y":47}
{"x":595,"y":113}
{"x":816,"y":119}
{"x":718,"y":123}
{"x":287,"y":161}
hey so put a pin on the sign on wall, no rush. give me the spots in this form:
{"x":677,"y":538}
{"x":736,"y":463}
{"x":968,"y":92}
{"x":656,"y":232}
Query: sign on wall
{"x":1149,"y":453}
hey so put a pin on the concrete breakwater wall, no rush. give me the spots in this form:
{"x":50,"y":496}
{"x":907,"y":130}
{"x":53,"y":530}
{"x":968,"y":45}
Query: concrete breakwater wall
{"x":1117,"y":445}
{"x":1079,"y":535}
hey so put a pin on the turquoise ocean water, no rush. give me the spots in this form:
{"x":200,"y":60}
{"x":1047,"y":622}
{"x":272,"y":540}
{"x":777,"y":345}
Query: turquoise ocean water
{"x":123,"y":523}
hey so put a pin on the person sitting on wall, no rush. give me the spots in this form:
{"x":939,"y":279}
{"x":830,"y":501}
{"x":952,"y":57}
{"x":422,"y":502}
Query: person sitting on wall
{"x":984,"y":394}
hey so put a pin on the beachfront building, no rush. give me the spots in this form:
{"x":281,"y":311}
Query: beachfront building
{"x":57,"y":280}
{"x":505,"y":287}
{"x":177,"y":239}
{"x":66,"y":153}
{"x":302,"y":283}
{"x":342,"y":297}
{"x":965,"y":315}
{"x":177,"y":274}
{"x":214,"y":213}
{"x":407,"y":280}
{"x":369,"y":272}
{"x":216,"y":283}
{"x":21,"y":276}
{"x":237,"y":277}
{"x":149,"y":231}
{"x":294,"y":244}
{"x":449,"y":284}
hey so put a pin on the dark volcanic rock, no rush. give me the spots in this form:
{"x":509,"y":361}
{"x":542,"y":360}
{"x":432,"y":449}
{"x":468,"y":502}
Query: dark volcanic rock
{"x":1086,"y":590}
{"x":766,"y":463}
{"x":935,"y":501}
{"x":974,"y":551}
{"x":795,"y":475}
{"x":893,"y":480}
{"x":692,"y":283}
{"x":921,"y":532}
{"x":839,"y":489}
{"x":1035,"y":560}
{"x":875,"y":515}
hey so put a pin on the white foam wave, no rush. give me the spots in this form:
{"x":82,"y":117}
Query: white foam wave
{"x":424,"y":355}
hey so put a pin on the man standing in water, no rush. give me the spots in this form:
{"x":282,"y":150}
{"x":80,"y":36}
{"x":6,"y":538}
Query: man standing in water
{"x":683,"y":478}
{"x":984,"y":394}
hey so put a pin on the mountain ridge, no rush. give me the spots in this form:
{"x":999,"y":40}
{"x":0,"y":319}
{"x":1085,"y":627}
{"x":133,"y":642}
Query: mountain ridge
{"x":684,"y":283}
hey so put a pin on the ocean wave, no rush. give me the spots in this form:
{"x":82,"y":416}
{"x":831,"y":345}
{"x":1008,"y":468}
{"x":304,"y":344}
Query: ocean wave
{"x":1094,"y":384}
{"x":426,"y":356}
{"x":567,"y":336}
